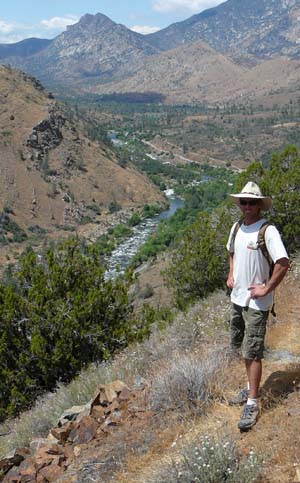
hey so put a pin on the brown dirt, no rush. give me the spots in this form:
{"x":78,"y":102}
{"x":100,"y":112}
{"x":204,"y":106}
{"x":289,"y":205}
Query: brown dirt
{"x":56,"y":194}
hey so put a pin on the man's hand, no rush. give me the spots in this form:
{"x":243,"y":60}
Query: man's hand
{"x":280,"y":269}
{"x":230,"y":281}
{"x":257,"y":291}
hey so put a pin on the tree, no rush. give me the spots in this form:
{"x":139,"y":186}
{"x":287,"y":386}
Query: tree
{"x":199,"y":264}
{"x":57,"y":315}
{"x":282,"y":182}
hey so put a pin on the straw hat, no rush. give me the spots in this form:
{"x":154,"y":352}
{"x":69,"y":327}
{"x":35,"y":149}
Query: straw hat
{"x":252,"y":190}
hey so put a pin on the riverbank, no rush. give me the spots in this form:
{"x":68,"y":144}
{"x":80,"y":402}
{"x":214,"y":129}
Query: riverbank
{"x":125,"y":252}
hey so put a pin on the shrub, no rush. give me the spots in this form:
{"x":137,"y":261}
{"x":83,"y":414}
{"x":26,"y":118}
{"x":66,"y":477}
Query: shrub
{"x":187,"y":382}
{"x":57,"y":314}
{"x":199,"y":264}
{"x":211,"y":461}
{"x":134,"y":220}
{"x":38,"y":230}
{"x":113,"y":207}
{"x":146,"y":292}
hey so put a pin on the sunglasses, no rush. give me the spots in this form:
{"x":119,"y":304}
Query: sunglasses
{"x":248,"y":202}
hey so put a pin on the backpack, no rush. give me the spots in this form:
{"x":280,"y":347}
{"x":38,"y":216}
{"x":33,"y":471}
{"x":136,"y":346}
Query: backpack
{"x":261,"y":245}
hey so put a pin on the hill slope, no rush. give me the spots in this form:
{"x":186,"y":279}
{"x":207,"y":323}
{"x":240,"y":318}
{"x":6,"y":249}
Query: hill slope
{"x":137,"y":444}
{"x":262,"y":28}
{"x":50,"y":172}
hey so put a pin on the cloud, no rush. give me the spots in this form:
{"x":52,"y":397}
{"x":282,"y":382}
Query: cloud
{"x":144,"y":29}
{"x":193,"y":6}
{"x":59,"y":23}
{"x":6,"y":27}
{"x":11,"y":32}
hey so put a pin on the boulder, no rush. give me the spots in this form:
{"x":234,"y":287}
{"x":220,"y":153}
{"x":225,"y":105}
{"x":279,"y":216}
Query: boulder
{"x":50,"y":473}
{"x":72,"y":413}
{"x":106,"y":394}
{"x":13,"y":459}
{"x":62,"y":433}
{"x":84,"y":431}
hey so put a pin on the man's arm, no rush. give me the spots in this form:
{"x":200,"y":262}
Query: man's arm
{"x":280,"y":268}
{"x":230,"y":280}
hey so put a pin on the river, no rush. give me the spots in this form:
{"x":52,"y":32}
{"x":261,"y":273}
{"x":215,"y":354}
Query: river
{"x":123,"y":253}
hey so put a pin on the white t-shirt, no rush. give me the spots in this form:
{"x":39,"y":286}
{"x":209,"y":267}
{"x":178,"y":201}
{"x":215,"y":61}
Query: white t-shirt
{"x":250,"y":267}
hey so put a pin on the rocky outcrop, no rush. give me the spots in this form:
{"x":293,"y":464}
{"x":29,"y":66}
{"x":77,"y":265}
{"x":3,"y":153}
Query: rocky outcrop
{"x":46,"y":135}
{"x":48,"y":458}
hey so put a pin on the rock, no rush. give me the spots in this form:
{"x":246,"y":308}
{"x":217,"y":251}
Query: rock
{"x":62,"y":434}
{"x":13,"y":459}
{"x":112,"y":407}
{"x":27,"y":469}
{"x":77,"y":451}
{"x":106,"y":394}
{"x":13,"y":476}
{"x":50,"y":473}
{"x":98,"y":412}
{"x":51,"y":439}
{"x":46,"y":455}
{"x":125,"y":394}
{"x":69,"y":451}
{"x":72,"y":413}
{"x":38,"y":443}
{"x":84,"y":431}
{"x":293,"y":404}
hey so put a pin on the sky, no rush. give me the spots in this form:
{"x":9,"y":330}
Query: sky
{"x":20,"y":19}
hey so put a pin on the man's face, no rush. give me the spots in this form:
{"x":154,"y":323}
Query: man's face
{"x":250,"y":207}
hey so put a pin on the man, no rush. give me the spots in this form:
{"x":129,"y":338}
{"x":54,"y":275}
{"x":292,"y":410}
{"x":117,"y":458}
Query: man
{"x":252,"y":290}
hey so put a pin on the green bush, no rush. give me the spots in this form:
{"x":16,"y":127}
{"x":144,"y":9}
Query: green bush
{"x":10,"y":230}
{"x":199,"y":264}
{"x":113,"y":207}
{"x":57,"y":314}
{"x":134,"y":220}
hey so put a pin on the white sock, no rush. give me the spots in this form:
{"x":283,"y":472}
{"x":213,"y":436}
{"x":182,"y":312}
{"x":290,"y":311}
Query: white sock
{"x":251,"y":402}
{"x":248,"y":385}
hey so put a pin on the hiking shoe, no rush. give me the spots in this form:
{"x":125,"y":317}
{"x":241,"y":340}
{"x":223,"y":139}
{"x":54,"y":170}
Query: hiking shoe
{"x":248,"y":417}
{"x":240,"y":398}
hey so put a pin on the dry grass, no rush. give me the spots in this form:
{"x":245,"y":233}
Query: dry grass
{"x":187,"y":382}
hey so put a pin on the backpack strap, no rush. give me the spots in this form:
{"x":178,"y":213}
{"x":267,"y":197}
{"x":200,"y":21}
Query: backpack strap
{"x":261,"y":242}
{"x":233,"y":236}
{"x":263,"y":247}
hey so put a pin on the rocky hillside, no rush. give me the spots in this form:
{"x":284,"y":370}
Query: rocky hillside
{"x":196,"y":73}
{"x":52,"y":176}
{"x":94,"y":48}
{"x":262,"y":28}
{"x":222,"y":53}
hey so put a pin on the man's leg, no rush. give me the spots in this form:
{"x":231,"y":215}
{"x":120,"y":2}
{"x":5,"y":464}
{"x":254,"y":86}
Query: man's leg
{"x":237,"y":327}
{"x":254,"y":372}
{"x":253,"y":347}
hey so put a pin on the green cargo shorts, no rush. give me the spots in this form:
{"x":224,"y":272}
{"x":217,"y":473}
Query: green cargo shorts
{"x":247,"y":331}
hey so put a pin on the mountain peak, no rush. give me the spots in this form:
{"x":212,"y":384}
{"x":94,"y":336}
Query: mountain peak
{"x":262,"y":28}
